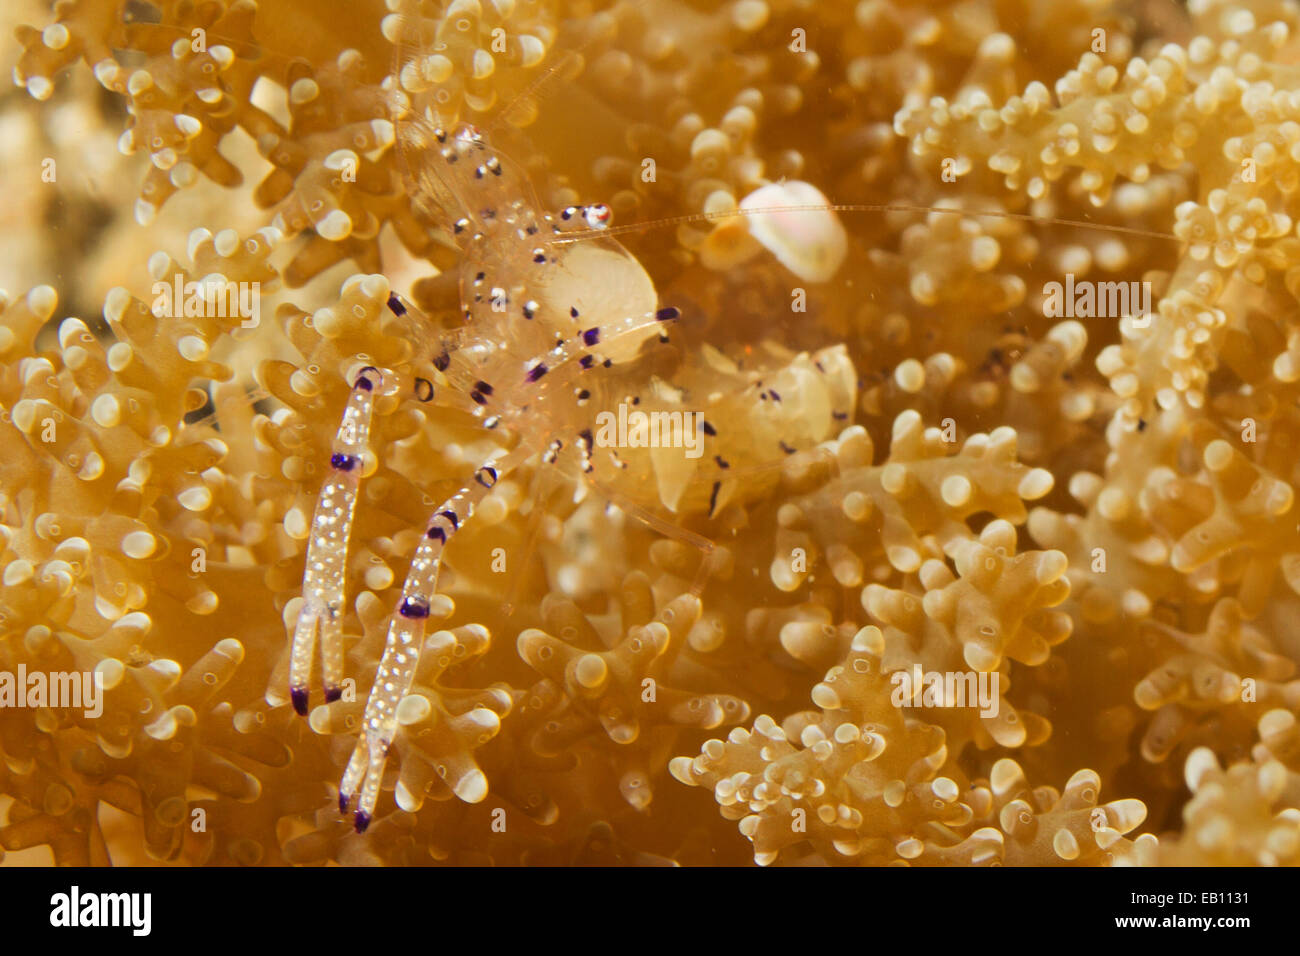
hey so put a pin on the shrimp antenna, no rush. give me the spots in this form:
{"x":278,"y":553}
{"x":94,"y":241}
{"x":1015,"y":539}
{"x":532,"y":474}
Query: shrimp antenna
{"x":566,"y":63}
{"x":579,"y":235}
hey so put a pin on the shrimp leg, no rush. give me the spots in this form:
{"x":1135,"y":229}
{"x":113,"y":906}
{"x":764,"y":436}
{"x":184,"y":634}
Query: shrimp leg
{"x":406,"y":637}
{"x":324,"y":584}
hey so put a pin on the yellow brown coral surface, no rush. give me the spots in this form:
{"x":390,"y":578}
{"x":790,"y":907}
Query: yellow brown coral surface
{"x":1099,"y":512}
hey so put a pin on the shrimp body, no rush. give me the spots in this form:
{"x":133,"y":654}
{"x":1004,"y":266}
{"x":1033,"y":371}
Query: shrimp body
{"x":535,"y":312}
{"x":552,"y":337}
{"x":536,"y":319}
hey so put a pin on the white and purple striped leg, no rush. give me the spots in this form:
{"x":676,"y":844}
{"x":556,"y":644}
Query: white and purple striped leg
{"x":406,"y":638}
{"x":323,"y":587}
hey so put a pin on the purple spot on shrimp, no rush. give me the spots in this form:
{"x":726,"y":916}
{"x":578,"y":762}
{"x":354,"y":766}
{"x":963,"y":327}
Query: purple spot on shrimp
{"x":786,"y":448}
{"x":364,"y":382}
{"x":437,"y":534}
{"x":773,"y":393}
{"x":839,"y":416}
{"x":483,"y":387}
{"x":332,"y":694}
{"x":478,"y":398}
{"x":299,"y":696}
{"x":536,"y":372}
{"x":668,"y":314}
{"x":415,"y":607}
{"x":591,"y":336}
{"x":585,"y":361}
{"x":722,"y":462}
{"x":451,"y":516}
{"x":713,"y":497}
{"x":344,"y":800}
{"x":573,"y":311}
{"x":361,"y":821}
{"x":395,"y":304}
{"x":442,"y":361}
{"x":709,"y":429}
{"x":343,"y":462}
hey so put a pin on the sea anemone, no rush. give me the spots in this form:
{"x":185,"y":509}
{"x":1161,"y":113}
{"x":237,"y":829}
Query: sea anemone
{"x":988,"y":313}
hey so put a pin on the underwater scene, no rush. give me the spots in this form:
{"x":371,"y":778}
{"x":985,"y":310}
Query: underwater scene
{"x":649,"y":433}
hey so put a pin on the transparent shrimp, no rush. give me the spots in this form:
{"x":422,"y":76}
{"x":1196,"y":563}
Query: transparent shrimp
{"x":541,"y":318}
{"x":549,"y":330}
{"x":561,"y":324}
{"x":559,"y":320}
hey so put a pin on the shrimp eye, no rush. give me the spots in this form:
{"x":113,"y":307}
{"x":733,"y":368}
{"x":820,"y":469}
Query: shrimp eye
{"x":569,"y":212}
